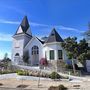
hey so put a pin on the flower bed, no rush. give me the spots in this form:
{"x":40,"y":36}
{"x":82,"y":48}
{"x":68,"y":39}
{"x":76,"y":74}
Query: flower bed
{"x":32,"y":73}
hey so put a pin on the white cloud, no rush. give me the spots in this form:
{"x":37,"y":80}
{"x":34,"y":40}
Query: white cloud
{"x":8,"y":22}
{"x":38,"y":24}
{"x":5,"y":37}
{"x":20,"y":11}
{"x":69,"y":29}
{"x":17,"y":22}
{"x":34,"y":24}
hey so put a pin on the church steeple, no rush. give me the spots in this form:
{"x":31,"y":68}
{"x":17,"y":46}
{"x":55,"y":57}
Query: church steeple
{"x":25,"y":24}
{"x":24,"y":27}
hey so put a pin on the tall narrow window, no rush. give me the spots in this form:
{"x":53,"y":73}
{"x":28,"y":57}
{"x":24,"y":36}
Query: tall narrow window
{"x":59,"y":54}
{"x":51,"y":54}
{"x":35,"y":50}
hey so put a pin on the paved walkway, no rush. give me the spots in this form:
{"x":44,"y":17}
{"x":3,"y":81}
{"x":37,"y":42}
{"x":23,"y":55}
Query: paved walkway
{"x":6,"y":88}
{"x":13,"y":80}
{"x":44,"y":84}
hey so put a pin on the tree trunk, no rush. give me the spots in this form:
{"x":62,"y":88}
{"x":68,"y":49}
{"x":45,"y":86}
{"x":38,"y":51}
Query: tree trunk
{"x":73,"y":67}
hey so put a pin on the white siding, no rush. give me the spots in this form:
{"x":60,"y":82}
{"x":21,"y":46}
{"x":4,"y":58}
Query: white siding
{"x":34,"y":42}
{"x":19,"y":30}
{"x":19,"y":43}
{"x":54,"y":47}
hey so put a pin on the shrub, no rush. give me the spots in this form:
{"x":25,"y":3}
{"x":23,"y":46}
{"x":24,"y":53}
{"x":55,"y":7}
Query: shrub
{"x":22,"y":86}
{"x":55,"y":75}
{"x":32,"y":73}
{"x":21,"y":72}
{"x":62,"y":87}
{"x":1,"y":84}
{"x":43,"y":62}
{"x":7,"y":72}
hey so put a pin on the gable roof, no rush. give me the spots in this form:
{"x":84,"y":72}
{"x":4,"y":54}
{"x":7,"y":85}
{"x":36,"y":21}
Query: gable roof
{"x":54,"y":37}
{"x":40,"y":40}
{"x":24,"y":25}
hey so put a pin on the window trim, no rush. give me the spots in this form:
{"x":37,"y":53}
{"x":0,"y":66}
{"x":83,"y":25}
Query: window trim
{"x":61,"y":53}
{"x":51,"y":57}
{"x":35,"y":50}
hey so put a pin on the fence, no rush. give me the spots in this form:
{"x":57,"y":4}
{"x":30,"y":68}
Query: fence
{"x":70,"y":71}
{"x":48,"y":70}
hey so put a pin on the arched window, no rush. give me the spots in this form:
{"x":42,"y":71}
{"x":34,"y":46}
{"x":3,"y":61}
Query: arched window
{"x":35,"y":50}
{"x":17,"y":54}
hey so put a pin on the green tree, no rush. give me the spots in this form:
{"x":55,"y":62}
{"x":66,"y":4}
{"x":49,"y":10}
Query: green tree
{"x":71,"y":46}
{"x":82,"y":46}
{"x":83,"y":57}
{"x":83,"y":52}
{"x":76,"y":50}
{"x":5,"y":56}
{"x":6,"y":61}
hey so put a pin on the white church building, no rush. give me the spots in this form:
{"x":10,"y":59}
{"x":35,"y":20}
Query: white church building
{"x":25,"y":44}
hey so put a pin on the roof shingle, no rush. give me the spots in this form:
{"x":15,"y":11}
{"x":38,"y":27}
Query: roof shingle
{"x":24,"y":25}
{"x":54,"y":37}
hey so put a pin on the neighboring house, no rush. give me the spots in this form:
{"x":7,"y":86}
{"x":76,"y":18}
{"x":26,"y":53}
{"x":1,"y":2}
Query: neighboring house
{"x":24,"y":41}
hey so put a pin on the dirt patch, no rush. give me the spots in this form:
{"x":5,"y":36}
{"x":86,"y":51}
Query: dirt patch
{"x":22,"y":86}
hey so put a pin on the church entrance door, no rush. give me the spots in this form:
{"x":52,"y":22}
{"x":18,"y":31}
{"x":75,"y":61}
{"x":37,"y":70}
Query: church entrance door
{"x":35,"y":55}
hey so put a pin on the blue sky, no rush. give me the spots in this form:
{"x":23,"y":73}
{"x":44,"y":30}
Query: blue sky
{"x":69,"y":17}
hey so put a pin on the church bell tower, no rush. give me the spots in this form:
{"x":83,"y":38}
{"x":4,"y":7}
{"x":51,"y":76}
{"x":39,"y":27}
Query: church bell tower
{"x":20,"y":40}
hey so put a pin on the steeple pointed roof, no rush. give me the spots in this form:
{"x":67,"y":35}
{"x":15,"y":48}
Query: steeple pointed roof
{"x":54,"y":37}
{"x":25,"y":24}
{"x":23,"y":27}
